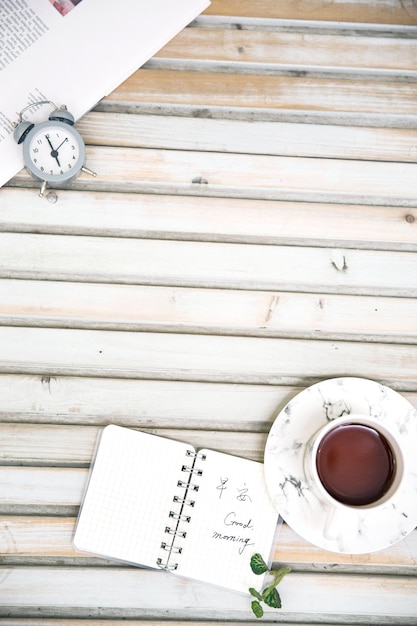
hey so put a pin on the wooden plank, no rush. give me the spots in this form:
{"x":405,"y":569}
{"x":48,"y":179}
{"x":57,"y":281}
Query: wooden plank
{"x":45,"y":621}
{"x":255,"y":137}
{"x":240,"y":175}
{"x":200,"y":264}
{"x":142,"y":403}
{"x":307,"y":26}
{"x":400,"y":558}
{"x":38,"y":536}
{"x":222,"y":311}
{"x":39,"y":487}
{"x":209,"y":219}
{"x":135,"y":592}
{"x":51,"y":538}
{"x":46,"y":445}
{"x":387,"y":12}
{"x":30,"y":444}
{"x":266,"y":92}
{"x":242,"y":79}
{"x":203,"y":358}
{"x":292,"y":49}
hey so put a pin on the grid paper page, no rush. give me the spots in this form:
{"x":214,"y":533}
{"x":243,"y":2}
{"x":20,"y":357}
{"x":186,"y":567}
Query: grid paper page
{"x":129,"y":496}
{"x":233,"y":518}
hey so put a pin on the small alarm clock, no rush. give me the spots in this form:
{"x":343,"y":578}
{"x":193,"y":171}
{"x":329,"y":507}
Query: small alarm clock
{"x":53,"y":151}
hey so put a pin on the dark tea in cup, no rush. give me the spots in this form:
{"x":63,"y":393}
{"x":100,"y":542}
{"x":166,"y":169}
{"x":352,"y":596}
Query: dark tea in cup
{"x":355,"y":464}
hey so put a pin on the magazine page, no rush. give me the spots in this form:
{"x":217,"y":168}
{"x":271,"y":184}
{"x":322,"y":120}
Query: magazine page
{"x":75,"y":52}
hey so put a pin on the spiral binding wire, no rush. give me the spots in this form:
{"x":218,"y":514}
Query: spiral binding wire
{"x":180,"y":517}
{"x":183,"y":501}
{"x":191,"y":470}
{"x":175,"y":532}
{"x":185,"y":485}
{"x":166,"y":566}
{"x":196,"y":455}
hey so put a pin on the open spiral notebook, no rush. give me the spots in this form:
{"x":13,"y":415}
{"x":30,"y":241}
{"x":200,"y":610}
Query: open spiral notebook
{"x":158,"y":503}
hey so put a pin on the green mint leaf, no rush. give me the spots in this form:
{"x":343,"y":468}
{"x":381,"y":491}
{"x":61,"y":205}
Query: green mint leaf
{"x":257,"y":609}
{"x":255,"y":593}
{"x":258,"y":565}
{"x":272,"y":598}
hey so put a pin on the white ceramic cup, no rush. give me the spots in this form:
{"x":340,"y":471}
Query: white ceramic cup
{"x":335,"y":507}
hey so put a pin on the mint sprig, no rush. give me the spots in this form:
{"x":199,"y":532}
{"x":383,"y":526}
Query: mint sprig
{"x":269,"y":595}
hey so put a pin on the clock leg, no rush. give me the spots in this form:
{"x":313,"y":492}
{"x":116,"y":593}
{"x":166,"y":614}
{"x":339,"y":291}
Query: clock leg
{"x":87,"y":171}
{"x":42,"y":189}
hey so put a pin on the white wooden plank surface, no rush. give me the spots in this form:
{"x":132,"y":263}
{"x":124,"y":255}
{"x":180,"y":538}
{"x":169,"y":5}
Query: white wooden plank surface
{"x":259,"y":137}
{"x":389,"y":11}
{"x":155,"y":593}
{"x":145,"y":403}
{"x":293,"y":48}
{"x":240,"y":175}
{"x":251,"y":231}
{"x":182,"y":263}
{"x":221,"y":311}
{"x":170,"y":356}
{"x":41,"y":487}
{"x":210,"y":219}
{"x":254,"y":91}
{"x":53,"y":445}
{"x":45,"y":621}
{"x":142,"y":403}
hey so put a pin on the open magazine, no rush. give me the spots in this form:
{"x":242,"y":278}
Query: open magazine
{"x":75,"y":52}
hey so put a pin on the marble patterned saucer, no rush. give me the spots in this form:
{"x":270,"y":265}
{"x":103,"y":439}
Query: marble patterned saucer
{"x":361,"y":531}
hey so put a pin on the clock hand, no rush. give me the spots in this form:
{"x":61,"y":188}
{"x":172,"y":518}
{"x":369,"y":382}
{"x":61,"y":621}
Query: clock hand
{"x":54,"y":153}
{"x":66,"y":139}
{"x":49,"y":141}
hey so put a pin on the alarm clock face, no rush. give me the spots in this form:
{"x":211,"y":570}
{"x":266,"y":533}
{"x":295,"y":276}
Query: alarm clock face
{"x":54,"y":152}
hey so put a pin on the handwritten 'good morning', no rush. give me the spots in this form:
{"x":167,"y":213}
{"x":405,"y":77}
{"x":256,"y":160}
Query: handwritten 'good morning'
{"x":230,"y":520}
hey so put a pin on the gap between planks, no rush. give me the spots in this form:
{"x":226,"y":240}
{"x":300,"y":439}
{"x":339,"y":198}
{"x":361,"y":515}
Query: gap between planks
{"x":264,"y":114}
